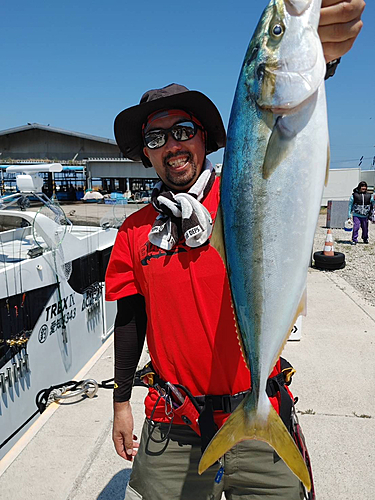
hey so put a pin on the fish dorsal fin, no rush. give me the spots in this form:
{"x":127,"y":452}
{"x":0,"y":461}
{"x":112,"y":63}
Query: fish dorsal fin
{"x":278,"y":146}
{"x":217,"y":238}
{"x":328,"y":162}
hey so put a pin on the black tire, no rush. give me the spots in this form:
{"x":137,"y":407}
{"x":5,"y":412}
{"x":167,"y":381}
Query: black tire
{"x":333,"y":262}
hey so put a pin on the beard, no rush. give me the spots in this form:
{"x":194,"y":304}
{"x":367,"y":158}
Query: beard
{"x":183,"y":178}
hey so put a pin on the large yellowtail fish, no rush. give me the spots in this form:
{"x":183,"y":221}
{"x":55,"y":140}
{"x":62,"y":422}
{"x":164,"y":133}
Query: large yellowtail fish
{"x":272,"y":181}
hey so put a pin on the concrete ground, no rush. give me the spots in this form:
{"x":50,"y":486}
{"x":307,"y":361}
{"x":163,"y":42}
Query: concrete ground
{"x":72,"y":456}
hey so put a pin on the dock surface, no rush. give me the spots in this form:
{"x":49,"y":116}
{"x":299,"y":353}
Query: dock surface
{"x":71,"y":455}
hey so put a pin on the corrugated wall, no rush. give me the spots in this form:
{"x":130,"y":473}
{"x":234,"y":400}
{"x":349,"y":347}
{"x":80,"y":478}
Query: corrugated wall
{"x":42,"y":144}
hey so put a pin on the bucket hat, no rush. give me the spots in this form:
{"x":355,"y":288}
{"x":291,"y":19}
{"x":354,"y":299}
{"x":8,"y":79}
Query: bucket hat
{"x":128,"y":123}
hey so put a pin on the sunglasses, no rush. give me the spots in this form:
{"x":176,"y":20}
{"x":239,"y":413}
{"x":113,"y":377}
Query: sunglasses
{"x":183,"y":131}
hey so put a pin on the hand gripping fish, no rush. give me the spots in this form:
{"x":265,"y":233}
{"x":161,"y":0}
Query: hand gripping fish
{"x":275,"y":164}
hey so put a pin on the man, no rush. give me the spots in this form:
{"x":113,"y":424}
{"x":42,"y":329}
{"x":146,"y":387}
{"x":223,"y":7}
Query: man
{"x":361,"y":204}
{"x":169,"y":280}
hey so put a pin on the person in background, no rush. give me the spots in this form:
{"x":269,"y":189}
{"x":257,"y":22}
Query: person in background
{"x":361,"y":205}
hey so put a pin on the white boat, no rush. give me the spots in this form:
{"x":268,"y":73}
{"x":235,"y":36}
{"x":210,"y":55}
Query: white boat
{"x":53,"y":315}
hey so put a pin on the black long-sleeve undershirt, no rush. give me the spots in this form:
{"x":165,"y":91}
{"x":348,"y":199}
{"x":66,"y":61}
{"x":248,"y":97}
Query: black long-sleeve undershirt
{"x":129,"y":337}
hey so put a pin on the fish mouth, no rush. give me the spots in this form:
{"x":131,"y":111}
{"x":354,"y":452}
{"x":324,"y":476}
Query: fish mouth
{"x":285,"y":110}
{"x":282,"y":111}
{"x":288,"y":108}
{"x":287,"y":102}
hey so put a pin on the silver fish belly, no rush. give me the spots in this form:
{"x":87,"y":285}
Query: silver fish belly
{"x":272,"y":181}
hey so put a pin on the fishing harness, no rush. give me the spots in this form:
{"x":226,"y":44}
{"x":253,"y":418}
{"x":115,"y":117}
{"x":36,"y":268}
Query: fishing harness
{"x":198,"y":411}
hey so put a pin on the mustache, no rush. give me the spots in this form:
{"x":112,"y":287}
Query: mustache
{"x":170,"y":156}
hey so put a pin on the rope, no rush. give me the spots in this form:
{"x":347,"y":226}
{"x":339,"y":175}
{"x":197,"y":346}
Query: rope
{"x":47,"y":396}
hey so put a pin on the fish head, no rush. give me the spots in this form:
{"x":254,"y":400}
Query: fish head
{"x":285,"y":63}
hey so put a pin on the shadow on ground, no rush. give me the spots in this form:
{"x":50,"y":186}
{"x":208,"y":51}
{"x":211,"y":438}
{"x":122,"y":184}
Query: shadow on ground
{"x":115,"y":489}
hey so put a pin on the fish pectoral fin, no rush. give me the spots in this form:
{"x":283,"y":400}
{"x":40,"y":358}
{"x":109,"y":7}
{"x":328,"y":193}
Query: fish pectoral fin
{"x":217,"y":238}
{"x":278,"y":146}
{"x":247,"y":424}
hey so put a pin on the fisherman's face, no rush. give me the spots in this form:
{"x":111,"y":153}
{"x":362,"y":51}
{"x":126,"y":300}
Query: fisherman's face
{"x":178,"y":164}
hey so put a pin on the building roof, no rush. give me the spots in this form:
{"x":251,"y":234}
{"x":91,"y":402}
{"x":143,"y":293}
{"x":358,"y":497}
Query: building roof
{"x":38,"y":126}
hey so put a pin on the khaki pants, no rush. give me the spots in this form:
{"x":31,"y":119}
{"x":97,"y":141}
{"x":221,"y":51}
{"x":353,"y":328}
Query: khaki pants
{"x":167,"y":470}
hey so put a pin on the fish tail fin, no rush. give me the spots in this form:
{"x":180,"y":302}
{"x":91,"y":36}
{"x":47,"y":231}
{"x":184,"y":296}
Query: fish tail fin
{"x":246,"y":423}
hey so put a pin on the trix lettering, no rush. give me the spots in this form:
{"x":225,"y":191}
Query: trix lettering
{"x":60,"y":306}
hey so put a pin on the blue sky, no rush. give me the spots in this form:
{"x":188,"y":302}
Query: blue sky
{"x":76,"y":64}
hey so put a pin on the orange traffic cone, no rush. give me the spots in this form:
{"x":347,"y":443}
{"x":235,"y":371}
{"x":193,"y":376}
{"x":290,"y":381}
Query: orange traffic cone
{"x":328,"y":245}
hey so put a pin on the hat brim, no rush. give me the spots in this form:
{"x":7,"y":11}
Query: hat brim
{"x":128,"y":123}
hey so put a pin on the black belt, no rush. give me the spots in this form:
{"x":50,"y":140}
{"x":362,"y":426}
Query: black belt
{"x":225,"y":403}
{"x":228,"y":403}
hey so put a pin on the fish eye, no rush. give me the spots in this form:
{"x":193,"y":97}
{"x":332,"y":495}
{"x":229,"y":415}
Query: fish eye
{"x":277,"y":30}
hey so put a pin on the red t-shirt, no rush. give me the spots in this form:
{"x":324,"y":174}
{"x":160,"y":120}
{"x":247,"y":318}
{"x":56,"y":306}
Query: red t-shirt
{"x":191,"y":334}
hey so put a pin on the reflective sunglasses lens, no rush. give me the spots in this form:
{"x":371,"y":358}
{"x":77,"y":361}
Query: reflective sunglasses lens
{"x":155,"y":139}
{"x":184,"y":131}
